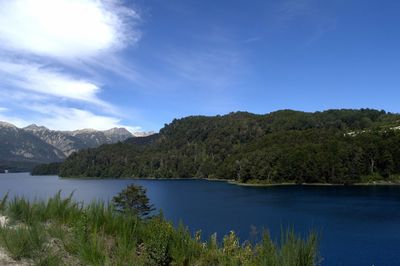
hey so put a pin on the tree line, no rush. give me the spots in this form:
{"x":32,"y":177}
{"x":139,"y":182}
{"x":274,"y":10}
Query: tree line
{"x":334,"y":146}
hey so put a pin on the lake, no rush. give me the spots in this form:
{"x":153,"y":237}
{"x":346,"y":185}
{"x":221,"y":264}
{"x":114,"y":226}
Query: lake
{"x":358,"y":225}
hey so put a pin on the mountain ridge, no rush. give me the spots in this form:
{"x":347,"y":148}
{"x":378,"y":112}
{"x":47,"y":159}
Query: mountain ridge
{"x":36,"y":144}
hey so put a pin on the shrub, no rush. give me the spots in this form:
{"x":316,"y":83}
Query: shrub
{"x":133,"y":199}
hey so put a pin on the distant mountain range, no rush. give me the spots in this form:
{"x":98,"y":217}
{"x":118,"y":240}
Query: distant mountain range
{"x":22,"y":148}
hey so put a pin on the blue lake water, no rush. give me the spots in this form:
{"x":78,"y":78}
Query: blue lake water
{"x":358,"y":225}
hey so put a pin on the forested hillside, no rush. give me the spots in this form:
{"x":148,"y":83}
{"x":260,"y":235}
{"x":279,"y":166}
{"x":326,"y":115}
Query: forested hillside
{"x":335,"y":146}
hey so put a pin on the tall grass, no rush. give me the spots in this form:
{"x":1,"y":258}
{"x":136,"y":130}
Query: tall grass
{"x":3,"y":202}
{"x":22,"y":241}
{"x":98,"y":235}
{"x":55,"y":209}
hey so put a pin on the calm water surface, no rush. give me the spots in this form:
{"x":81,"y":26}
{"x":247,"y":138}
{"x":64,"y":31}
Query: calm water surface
{"x":358,"y":225}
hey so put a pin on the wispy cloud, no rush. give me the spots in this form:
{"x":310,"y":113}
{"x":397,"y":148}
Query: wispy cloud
{"x":36,"y":78}
{"x":65,"y":118}
{"x":50,"y":51}
{"x":291,"y":9}
{"x":207,"y":68}
{"x":252,"y":39}
{"x":15,"y":120}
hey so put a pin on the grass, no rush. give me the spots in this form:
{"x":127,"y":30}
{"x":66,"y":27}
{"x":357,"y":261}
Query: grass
{"x":46,"y":231}
{"x":22,"y":241}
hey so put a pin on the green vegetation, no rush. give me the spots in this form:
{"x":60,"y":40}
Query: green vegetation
{"x":334,"y":146}
{"x":133,"y":199}
{"x":46,"y":169}
{"x":63,"y":232}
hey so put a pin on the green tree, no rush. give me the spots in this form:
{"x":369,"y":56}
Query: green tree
{"x":133,"y":199}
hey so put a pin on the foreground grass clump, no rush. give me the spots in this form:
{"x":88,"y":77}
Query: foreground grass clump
{"x":63,"y":232}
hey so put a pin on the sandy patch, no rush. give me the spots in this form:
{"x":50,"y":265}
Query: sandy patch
{"x":3,"y":221}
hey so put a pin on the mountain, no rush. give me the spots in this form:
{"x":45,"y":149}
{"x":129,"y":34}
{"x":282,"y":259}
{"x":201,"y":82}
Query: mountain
{"x":93,"y":138}
{"x":66,"y":143}
{"x":72,"y":141}
{"x":35,"y":144}
{"x":19,"y":149}
{"x":144,"y":134}
{"x":117,"y":134}
{"x":333,"y":146}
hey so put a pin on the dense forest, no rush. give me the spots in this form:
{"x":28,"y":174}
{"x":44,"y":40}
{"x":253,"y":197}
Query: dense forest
{"x":46,"y":169}
{"x":334,"y":146}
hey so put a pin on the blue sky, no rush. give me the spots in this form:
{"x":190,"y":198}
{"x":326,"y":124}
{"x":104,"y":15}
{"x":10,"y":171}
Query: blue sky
{"x":70,"y":64}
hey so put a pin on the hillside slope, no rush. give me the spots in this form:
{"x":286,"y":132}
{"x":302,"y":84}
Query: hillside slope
{"x":335,"y":146}
{"x":21,"y":149}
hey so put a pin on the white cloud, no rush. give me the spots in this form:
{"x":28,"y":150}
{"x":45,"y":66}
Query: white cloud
{"x":66,"y":35}
{"x":16,"y":121}
{"x":63,"y":118}
{"x":65,"y":28}
{"x":34,"y":77}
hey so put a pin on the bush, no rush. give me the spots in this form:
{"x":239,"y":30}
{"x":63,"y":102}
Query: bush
{"x":133,"y":199}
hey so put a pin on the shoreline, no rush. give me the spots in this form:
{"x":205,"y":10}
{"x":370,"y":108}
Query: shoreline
{"x":234,"y":182}
{"x":312,"y":184}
